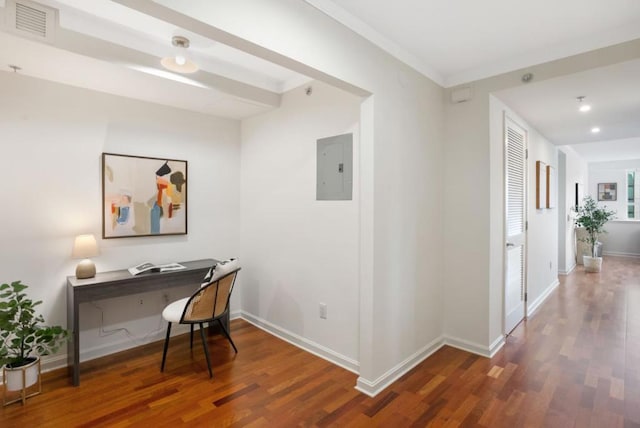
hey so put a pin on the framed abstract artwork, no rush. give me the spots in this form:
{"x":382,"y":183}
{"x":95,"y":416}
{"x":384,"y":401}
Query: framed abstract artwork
{"x":607,"y":191}
{"x":143,"y":196}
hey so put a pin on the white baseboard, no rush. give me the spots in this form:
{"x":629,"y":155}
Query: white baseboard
{"x":535,"y":305}
{"x":303,"y":343}
{"x":58,"y":361}
{"x":368,"y":387}
{"x":53,"y":362}
{"x":496,"y":346}
{"x":619,"y":254}
{"x":371,"y":388}
{"x":568,"y":271}
{"x":466,"y":345}
{"x":127,"y":343}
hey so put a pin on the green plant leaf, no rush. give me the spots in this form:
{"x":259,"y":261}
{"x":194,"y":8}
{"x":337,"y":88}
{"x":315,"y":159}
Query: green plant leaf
{"x":22,"y":333}
{"x":592,"y":218}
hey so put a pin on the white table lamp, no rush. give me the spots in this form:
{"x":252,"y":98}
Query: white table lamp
{"x":84,"y":247}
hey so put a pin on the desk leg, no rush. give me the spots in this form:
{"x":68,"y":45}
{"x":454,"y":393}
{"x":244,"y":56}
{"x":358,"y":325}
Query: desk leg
{"x":73,"y":346}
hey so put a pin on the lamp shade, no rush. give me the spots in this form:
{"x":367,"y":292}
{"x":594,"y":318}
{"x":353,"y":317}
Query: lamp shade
{"x":85,"y":246}
{"x":179,"y":62}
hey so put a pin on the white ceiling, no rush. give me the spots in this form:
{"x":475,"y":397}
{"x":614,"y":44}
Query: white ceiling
{"x":105,"y":46}
{"x":459,"y":41}
{"x":604,"y":151}
{"x":551,"y":106}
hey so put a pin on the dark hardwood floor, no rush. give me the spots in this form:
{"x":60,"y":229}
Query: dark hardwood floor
{"x":574,"y":363}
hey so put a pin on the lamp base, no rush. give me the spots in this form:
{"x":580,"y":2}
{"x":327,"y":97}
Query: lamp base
{"x":85,"y":269}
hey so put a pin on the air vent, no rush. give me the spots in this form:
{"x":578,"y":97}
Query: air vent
{"x":31,"y":19}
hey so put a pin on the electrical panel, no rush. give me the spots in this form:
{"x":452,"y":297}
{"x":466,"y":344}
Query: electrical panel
{"x":335,"y":168}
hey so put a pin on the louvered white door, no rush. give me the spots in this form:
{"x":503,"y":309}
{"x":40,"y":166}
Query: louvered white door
{"x":516,"y":196}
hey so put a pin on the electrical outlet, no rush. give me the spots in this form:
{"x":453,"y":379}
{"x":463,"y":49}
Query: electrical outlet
{"x":141,"y":301}
{"x":323,"y":311}
{"x":165,"y":297}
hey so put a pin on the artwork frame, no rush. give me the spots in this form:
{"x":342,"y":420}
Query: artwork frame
{"x":541,"y":185}
{"x":143,"y":196}
{"x":607,"y":192}
{"x":552,"y":185}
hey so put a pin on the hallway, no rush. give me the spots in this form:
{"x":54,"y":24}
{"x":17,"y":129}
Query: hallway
{"x":576,"y":361}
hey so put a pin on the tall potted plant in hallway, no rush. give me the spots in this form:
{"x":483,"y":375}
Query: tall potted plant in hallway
{"x":592,"y":218}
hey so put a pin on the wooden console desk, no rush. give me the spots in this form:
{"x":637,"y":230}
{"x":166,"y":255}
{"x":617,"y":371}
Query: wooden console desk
{"x":121,"y":283}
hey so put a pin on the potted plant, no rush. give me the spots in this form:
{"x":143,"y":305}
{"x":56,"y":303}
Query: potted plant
{"x":592,"y":218}
{"x":23,"y":338}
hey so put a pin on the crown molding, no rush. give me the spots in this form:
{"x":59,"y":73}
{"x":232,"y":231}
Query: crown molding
{"x":483,"y":71}
{"x":356,"y":25}
{"x":545,"y":54}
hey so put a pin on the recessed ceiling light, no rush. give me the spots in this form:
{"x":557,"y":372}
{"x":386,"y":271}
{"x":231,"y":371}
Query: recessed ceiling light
{"x":595,"y":130}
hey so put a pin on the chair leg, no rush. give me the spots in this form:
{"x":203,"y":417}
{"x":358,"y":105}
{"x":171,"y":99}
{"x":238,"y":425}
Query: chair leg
{"x":206,"y":349}
{"x":166,"y":345}
{"x":226,"y":333}
{"x":191,"y":337}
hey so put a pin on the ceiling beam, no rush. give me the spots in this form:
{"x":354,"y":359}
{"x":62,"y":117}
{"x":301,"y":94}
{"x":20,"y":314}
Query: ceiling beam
{"x":151,"y":8}
{"x":100,"y":49}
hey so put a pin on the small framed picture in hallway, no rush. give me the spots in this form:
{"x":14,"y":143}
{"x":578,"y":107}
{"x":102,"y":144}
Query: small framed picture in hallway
{"x":607,"y":191}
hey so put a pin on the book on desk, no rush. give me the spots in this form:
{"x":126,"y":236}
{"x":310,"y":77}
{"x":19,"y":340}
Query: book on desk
{"x":150,"y":267}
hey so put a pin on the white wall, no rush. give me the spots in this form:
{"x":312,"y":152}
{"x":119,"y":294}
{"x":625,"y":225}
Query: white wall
{"x":623,"y":236}
{"x":52,"y":139}
{"x":611,"y":172}
{"x":467,"y":176}
{"x":564,"y":215}
{"x":542,"y":236}
{"x":575,"y":172}
{"x":299,"y":251}
{"x":400,"y":270}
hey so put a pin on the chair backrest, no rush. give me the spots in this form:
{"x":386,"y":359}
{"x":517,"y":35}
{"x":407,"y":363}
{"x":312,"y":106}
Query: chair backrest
{"x":210,"y":301}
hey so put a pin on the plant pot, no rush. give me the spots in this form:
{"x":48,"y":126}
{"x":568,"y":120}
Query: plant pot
{"x":592,"y":264}
{"x":19,"y":379}
{"x":14,"y":374}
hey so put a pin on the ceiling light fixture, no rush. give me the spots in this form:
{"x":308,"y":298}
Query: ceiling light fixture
{"x":583,"y":107}
{"x":180,"y":62}
{"x":595,"y":130}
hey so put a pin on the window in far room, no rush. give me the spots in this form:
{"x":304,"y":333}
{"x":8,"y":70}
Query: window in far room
{"x":633,"y":193}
